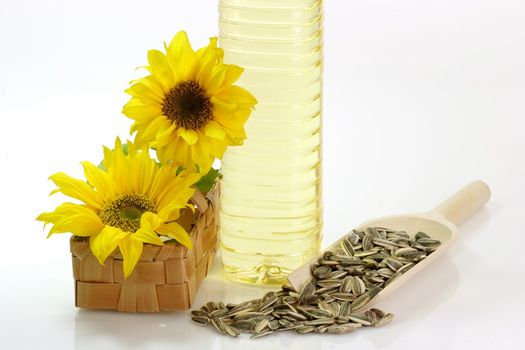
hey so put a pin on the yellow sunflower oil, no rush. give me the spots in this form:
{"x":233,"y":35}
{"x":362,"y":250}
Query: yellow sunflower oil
{"x":271,"y":208}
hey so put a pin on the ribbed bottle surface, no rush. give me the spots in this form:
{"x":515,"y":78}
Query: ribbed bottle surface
{"x":271,"y":209}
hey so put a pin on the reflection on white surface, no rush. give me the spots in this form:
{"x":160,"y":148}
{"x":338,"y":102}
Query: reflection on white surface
{"x":166,"y":330}
{"x":412,"y":304}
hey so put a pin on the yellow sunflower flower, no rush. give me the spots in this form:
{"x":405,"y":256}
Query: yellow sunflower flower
{"x":131,"y":202}
{"x":188,"y":108}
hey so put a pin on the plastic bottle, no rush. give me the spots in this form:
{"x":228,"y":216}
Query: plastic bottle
{"x":271,"y":207}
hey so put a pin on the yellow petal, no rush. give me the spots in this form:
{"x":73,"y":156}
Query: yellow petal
{"x":233,"y":73}
{"x":165,"y":137}
{"x":149,"y":133}
{"x":190,"y":136}
{"x":209,"y":57}
{"x":131,"y":249}
{"x":142,"y":172}
{"x":100,"y":180}
{"x":236,"y":94}
{"x":179,"y":45}
{"x":212,"y":129}
{"x":147,"y":236}
{"x":159,"y":67}
{"x":143,"y":92}
{"x":74,"y":218}
{"x":218,"y":147}
{"x":141,"y":112}
{"x":222,"y":107}
{"x":171,"y":211}
{"x":177,"y":152}
{"x":201,"y":156}
{"x":177,"y":191}
{"x":153,"y":84}
{"x":177,"y":232}
{"x":104,"y":243}
{"x":216,"y":79}
{"x":79,"y":225}
{"x":181,"y":57}
{"x":149,"y":220}
{"x":77,"y":189}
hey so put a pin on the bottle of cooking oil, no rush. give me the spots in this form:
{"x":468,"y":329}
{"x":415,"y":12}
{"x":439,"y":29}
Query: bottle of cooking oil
{"x":271,"y":209}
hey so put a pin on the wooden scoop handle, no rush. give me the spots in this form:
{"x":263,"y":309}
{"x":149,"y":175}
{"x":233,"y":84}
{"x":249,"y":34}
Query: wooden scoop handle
{"x":464,"y":203}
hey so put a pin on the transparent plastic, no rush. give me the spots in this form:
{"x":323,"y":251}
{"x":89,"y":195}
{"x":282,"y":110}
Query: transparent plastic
{"x":271,"y":206}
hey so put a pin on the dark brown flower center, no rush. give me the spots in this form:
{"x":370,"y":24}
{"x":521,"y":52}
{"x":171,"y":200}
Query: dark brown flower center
{"x":125,"y":211}
{"x":187,"y":105}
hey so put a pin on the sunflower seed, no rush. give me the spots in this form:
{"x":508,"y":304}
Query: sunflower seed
{"x":346,"y":309}
{"x":427,"y":242}
{"x":288,"y":288}
{"x":219,"y":313}
{"x":261,"y":325}
{"x":307,"y":291}
{"x":285,"y":323}
{"x":219,"y":325}
{"x":347,"y":247}
{"x":201,"y":320}
{"x":344,"y":296}
{"x":346,"y":285}
{"x":200,"y":313}
{"x":393,"y":264}
{"x":405,"y":268}
{"x":322,"y":271}
{"x":243,"y":307}
{"x":317,"y":313}
{"x":343,"y":328}
{"x":383,"y":242}
{"x":244,"y":325}
{"x":270,"y":300}
{"x":320,"y":322}
{"x":321,"y":329}
{"x":358,"y":286}
{"x":420,"y":235}
{"x":248,"y":315}
{"x":305,"y":329}
{"x":273,"y":324}
{"x":344,"y":282}
{"x":385,"y":272}
{"x":384,"y":320}
{"x":353,"y":237}
{"x":337,"y":275}
{"x":360,"y":318}
{"x":297,"y":316}
{"x":342,"y":319}
{"x":234,"y":332}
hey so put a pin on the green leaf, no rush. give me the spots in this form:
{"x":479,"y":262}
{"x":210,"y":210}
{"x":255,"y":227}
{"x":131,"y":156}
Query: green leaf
{"x":206,"y":182}
{"x":125,"y":148}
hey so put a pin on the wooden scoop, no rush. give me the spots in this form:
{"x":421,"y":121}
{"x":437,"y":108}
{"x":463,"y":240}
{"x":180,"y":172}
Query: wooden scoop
{"x":440,"y":223}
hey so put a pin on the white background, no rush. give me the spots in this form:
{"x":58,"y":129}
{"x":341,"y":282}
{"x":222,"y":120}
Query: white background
{"x":421,"y":97}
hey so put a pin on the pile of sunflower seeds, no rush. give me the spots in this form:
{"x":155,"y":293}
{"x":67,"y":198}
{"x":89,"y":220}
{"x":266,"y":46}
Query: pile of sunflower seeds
{"x":344,"y":282}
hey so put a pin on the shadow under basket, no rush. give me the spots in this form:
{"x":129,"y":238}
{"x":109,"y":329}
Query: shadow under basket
{"x":166,"y":278}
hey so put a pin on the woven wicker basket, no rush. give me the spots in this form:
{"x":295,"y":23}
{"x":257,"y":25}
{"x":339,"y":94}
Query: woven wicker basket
{"x":166,"y":278}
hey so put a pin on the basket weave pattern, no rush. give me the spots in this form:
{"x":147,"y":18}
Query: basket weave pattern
{"x":166,"y":278}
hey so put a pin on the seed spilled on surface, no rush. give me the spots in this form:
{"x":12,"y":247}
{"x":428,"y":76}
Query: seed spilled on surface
{"x":344,"y":282}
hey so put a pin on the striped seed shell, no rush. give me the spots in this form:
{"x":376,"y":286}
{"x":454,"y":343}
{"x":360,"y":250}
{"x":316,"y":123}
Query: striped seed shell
{"x":305,"y":329}
{"x":201,"y":320}
{"x":343,"y":328}
{"x":360,"y":318}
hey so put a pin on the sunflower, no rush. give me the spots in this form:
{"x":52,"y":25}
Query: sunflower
{"x":188,"y":108}
{"x":129,"y":201}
